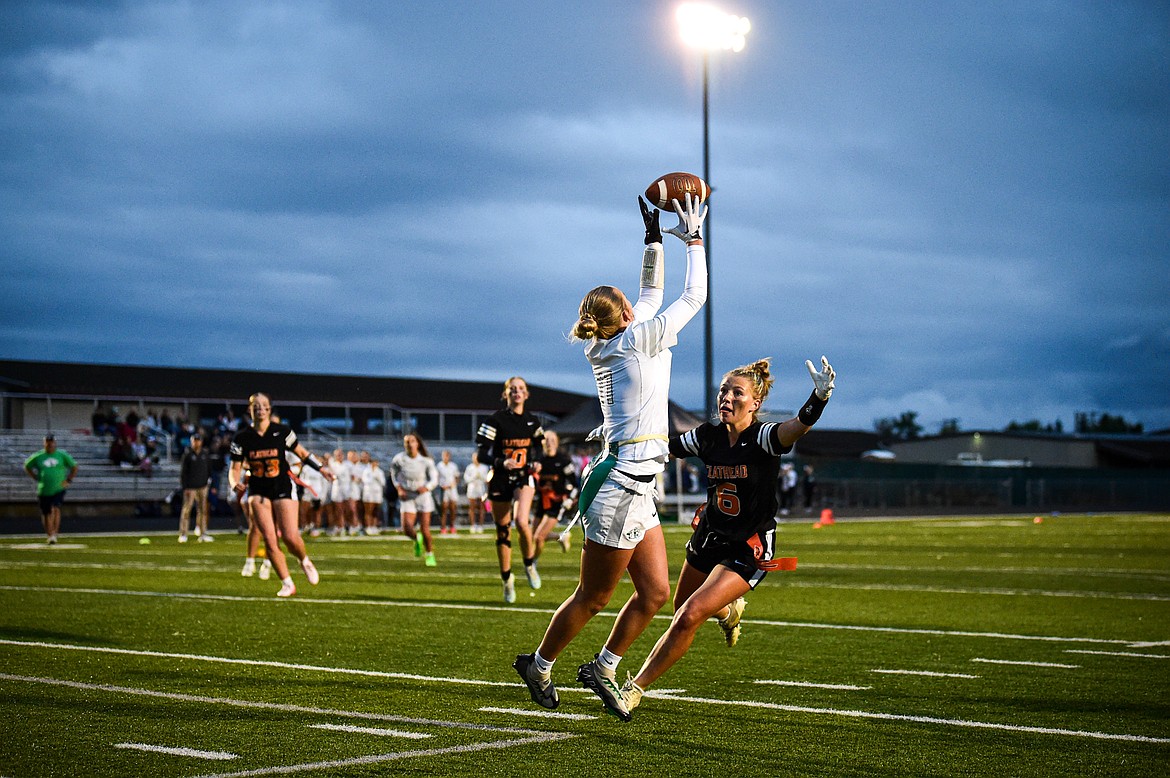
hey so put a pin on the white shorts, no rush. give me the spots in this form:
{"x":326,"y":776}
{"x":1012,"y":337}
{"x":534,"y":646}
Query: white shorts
{"x":449,"y":494}
{"x":424,"y":503}
{"x":340,"y":492}
{"x":476,"y":490}
{"x":622,"y":512}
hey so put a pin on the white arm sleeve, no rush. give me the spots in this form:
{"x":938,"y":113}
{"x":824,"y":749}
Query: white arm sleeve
{"x":694,"y":292}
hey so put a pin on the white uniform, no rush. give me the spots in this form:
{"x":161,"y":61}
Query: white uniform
{"x":357,"y":477}
{"x":475,"y":475}
{"x":448,"y":476}
{"x":374,"y":485}
{"x":342,"y":489}
{"x":412,"y":474}
{"x":632,"y":371}
{"x":315,"y":480}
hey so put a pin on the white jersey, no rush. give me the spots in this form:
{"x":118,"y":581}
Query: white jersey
{"x":373,"y":485}
{"x":342,"y":489}
{"x":315,"y":480}
{"x":413,"y":473}
{"x":632,"y":371}
{"x":476,"y":477}
{"x":448,"y":474}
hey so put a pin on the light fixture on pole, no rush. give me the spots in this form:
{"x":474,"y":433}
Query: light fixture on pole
{"x":709,"y":29}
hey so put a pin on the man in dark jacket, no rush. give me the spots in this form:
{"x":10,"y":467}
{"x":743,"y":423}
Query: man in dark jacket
{"x":194,"y":477}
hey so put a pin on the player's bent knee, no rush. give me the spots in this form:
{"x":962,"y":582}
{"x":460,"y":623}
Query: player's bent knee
{"x":504,"y":535}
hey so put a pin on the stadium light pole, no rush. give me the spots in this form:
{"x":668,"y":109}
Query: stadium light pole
{"x":707,"y":28}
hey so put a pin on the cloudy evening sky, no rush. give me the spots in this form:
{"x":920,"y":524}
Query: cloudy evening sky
{"x":965,"y":206}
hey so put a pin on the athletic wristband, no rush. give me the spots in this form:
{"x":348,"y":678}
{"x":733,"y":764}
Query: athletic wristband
{"x":313,"y":462}
{"x":653,"y":276}
{"x":812,"y":410}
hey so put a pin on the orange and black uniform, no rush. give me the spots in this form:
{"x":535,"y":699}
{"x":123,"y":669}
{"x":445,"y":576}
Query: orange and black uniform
{"x":505,"y":435}
{"x":738,"y":525}
{"x":558,"y":480}
{"x":263,"y":456}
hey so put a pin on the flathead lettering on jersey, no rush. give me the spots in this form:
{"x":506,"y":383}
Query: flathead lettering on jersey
{"x":725,"y":472}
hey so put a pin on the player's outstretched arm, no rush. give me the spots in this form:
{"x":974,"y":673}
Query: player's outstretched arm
{"x":823,"y":381}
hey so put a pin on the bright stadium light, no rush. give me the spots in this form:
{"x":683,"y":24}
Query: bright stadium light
{"x":707,"y":28}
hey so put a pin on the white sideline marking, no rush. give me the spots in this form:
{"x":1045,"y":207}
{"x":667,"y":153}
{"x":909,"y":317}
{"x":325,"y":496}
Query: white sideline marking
{"x":1025,"y":664}
{"x":979,"y":590}
{"x":267,"y":663}
{"x":1150,"y":644}
{"x":220,"y":755}
{"x":45,"y":546}
{"x":278,"y":706}
{"x":808,"y":684}
{"x":371,"y":731}
{"x":861,"y":714}
{"x":927,"y":673}
{"x":542,"y":714}
{"x":1116,"y":653}
{"x":549,"y":611}
{"x":940,"y":632}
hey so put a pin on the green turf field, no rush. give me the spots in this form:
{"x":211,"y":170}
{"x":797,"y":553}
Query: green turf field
{"x":941,"y":647}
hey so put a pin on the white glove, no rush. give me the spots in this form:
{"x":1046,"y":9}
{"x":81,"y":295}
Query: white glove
{"x":822,"y":379}
{"x":690,"y":220}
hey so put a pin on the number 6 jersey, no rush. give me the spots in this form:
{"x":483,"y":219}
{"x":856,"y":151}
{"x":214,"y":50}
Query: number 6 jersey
{"x":741,"y":479}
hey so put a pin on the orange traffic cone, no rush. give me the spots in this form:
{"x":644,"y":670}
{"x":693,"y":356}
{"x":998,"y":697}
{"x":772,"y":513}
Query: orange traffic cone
{"x":827,"y":516}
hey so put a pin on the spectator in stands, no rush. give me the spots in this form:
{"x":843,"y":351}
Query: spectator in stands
{"x":195,"y":477}
{"x":787,"y":485}
{"x":53,"y":470}
{"x":808,"y":484}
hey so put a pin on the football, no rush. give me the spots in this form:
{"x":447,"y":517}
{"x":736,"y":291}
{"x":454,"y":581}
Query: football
{"x":673,"y":186}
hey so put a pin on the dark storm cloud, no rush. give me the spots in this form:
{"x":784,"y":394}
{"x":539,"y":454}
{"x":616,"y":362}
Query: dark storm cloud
{"x":965,"y":207}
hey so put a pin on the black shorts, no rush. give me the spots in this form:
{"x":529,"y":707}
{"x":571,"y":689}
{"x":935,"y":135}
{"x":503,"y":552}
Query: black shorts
{"x":706,"y":550}
{"x":503,"y":486}
{"x":50,"y":501}
{"x":272,"y":488}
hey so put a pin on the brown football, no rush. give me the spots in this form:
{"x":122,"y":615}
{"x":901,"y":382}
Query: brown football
{"x":673,"y":186}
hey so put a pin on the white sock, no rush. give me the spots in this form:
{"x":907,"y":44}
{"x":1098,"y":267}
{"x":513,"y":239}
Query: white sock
{"x":543,"y":666}
{"x":608,"y":659}
{"x":287,"y":581}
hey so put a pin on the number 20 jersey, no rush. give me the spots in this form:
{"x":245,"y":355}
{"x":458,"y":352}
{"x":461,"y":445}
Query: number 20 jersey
{"x":741,"y":479}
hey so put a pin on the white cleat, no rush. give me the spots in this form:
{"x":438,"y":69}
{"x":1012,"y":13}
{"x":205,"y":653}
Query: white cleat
{"x":249,"y":568}
{"x":287,"y":589}
{"x":510,"y":589}
{"x":310,"y":571}
{"x":533,"y":575}
{"x":265,"y":570}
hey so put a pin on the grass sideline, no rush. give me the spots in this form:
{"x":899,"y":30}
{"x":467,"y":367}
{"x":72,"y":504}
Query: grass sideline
{"x":990,"y":645}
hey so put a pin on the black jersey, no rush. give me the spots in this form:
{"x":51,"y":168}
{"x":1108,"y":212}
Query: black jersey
{"x":741,"y":479}
{"x":558,"y":475}
{"x":264,"y":457}
{"x":558,"y":480}
{"x":505,"y":435}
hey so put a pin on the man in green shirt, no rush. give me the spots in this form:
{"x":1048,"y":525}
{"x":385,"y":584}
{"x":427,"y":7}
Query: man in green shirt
{"x":53,"y":471}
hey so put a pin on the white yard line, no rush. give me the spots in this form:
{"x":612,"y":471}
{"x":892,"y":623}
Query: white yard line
{"x":540,"y":714}
{"x":926,"y":673}
{"x":548,"y":611}
{"x":1024,"y":664}
{"x":809,"y":685}
{"x":1117,"y":653}
{"x":192,"y":752}
{"x":372,"y":731}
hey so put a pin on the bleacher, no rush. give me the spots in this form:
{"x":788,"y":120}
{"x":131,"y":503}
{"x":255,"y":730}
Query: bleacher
{"x":97,"y":479}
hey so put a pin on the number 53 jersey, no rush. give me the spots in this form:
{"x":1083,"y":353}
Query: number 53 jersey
{"x":741,"y":479}
{"x":263,"y":455}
